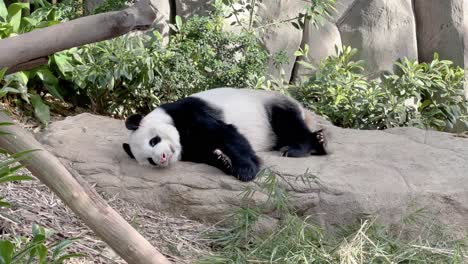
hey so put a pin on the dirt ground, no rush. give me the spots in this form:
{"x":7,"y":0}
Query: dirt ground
{"x":178,"y":238}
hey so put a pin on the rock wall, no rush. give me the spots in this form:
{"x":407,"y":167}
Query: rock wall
{"x":383,"y":30}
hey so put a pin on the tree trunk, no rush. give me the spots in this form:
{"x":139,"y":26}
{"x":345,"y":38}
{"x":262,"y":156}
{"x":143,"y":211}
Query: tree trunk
{"x":80,"y":197}
{"x":40,"y":43}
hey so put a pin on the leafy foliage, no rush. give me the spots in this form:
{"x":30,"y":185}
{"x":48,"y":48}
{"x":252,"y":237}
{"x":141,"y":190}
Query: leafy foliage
{"x":36,"y":249}
{"x":298,"y":240}
{"x":144,"y":73}
{"x":111,"y":5}
{"x":23,"y":250}
{"x":20,"y":83}
{"x":418,"y":94}
{"x":246,"y":14}
{"x":9,"y":166}
{"x":13,"y":22}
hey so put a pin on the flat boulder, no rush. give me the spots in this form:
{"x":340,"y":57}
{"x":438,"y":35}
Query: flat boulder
{"x":381,"y":173}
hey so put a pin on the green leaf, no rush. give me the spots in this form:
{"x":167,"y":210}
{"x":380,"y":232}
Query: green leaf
{"x":31,"y":21}
{"x":60,"y":247}
{"x":6,"y":123}
{"x":42,"y":253}
{"x":2,"y":70}
{"x":14,"y":14}
{"x":38,"y":232}
{"x":3,"y":10}
{"x":50,"y":81}
{"x":298,"y":53}
{"x":16,"y":178}
{"x":178,"y":20}
{"x":20,"y":77}
{"x":4,"y":204}
{"x":41,"y":110}
{"x":6,"y":249}
{"x":63,"y":62}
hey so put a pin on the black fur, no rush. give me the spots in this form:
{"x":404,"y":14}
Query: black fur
{"x":127,"y":149}
{"x":202,"y":131}
{"x":292,"y":134}
{"x":133,"y":121}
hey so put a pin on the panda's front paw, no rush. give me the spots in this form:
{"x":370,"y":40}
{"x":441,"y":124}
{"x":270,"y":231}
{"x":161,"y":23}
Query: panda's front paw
{"x":223,"y":158}
{"x":221,"y":161}
{"x":245,"y":171}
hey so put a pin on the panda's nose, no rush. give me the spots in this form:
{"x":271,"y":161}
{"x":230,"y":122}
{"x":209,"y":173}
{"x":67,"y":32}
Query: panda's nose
{"x":163,"y":158}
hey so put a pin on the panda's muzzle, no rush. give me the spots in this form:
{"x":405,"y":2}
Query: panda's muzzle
{"x":150,"y":160}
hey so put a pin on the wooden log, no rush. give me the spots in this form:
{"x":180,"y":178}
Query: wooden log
{"x":42,"y":42}
{"x":80,"y":197}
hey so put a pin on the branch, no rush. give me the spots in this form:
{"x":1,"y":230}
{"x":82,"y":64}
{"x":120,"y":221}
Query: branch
{"x":45,"y":41}
{"x":80,"y":197}
{"x":28,"y":65}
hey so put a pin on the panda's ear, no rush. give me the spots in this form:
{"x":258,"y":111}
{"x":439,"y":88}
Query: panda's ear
{"x":127,"y":149}
{"x":133,"y":121}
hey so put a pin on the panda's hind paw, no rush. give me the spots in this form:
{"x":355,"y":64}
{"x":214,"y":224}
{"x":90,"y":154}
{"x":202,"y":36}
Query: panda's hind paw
{"x":320,"y":136}
{"x":320,"y":143}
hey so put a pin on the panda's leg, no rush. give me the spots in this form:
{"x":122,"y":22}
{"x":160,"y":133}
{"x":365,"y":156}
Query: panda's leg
{"x":316,"y":146}
{"x":234,"y":155}
{"x":294,"y":138}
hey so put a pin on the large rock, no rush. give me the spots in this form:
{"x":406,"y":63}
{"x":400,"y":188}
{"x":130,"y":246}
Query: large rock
{"x":323,"y":41}
{"x":383,"y":31}
{"x":163,"y":18}
{"x":440,"y":29}
{"x":186,"y":8}
{"x":368,"y":172}
{"x":282,"y":37}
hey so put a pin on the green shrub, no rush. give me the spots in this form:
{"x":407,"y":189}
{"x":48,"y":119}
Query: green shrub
{"x":30,"y":84}
{"x":136,"y":73}
{"x":36,"y":249}
{"x":13,"y":21}
{"x":111,"y":5}
{"x":340,"y":91}
{"x":20,"y":249}
{"x":437,"y":89}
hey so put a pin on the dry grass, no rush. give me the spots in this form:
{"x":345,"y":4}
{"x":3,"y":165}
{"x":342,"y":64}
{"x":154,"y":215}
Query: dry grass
{"x":178,"y":238}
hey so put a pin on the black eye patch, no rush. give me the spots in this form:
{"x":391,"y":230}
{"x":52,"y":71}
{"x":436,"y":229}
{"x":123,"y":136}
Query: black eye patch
{"x":151,"y":161}
{"x":154,"y":141}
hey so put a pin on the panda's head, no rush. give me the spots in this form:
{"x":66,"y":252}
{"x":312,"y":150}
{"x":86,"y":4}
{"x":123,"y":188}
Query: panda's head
{"x":153,"y":141}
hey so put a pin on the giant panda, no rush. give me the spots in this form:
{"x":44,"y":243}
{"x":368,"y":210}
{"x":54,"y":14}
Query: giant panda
{"x":224,"y":128}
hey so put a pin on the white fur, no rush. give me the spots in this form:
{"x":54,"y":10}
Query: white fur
{"x":245,"y":108}
{"x":159,"y":123}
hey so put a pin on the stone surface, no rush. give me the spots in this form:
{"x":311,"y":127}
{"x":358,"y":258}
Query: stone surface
{"x":163,"y":19}
{"x":90,"y":5}
{"x":440,"y":29}
{"x":186,"y":8}
{"x":323,"y":41}
{"x":465,"y":43}
{"x":368,"y":172}
{"x":383,"y":31}
{"x":283,"y":36}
